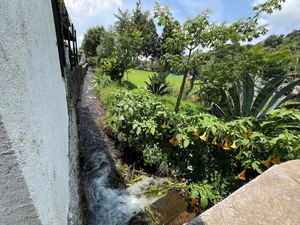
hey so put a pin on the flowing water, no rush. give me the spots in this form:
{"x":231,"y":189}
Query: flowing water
{"x":108,"y":203}
{"x":108,"y":206}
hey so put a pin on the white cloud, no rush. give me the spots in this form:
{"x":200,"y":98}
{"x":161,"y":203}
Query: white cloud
{"x":92,"y":7}
{"x":90,"y":13}
{"x":280,"y":22}
{"x":285,"y":20}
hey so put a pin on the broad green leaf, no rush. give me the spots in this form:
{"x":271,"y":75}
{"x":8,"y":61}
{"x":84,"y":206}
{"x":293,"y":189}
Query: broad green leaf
{"x":186,"y":143}
{"x":287,"y":89}
{"x":194,"y":194}
{"x":130,"y":111}
{"x":265,"y":94}
{"x":204,"y":202}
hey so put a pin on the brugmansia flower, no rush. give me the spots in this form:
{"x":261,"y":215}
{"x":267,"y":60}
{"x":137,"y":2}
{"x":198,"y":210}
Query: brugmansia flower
{"x":197,"y":132}
{"x":242,"y":175}
{"x":204,"y":137}
{"x":214,"y":142}
{"x":165,"y":125}
{"x":174,"y":141}
{"x":226,"y":145}
{"x":276,"y":160}
{"x":233,"y":146}
{"x":267,"y":162}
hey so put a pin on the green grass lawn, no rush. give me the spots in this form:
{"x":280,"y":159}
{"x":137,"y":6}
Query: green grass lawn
{"x":138,"y":78}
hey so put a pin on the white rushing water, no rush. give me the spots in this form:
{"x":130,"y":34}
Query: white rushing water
{"x":108,"y":206}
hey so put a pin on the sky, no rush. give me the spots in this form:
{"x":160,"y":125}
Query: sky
{"x":90,"y":13}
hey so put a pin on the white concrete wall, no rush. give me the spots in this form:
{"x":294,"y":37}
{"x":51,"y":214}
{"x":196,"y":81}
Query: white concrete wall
{"x":33,"y":104}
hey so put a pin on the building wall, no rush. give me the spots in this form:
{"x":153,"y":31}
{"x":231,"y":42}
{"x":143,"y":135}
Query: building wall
{"x":33,"y":110}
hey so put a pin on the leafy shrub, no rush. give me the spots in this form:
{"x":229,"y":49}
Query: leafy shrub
{"x":243,"y":98}
{"x":101,"y":80}
{"x":158,"y":84}
{"x":216,"y":156}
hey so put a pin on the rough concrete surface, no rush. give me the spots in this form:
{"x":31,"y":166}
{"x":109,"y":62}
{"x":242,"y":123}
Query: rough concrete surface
{"x":74,"y":81}
{"x":273,"y":198}
{"x":34,"y":112}
{"x":15,"y":204}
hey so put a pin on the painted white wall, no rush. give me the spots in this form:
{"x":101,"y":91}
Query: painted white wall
{"x":33,"y":104}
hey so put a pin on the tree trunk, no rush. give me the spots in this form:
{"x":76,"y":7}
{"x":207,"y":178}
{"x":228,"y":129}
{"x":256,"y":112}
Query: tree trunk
{"x":183,"y":84}
{"x":187,"y":93}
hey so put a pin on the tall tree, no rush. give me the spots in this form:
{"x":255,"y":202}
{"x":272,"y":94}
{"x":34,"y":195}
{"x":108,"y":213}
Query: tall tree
{"x":92,"y":38}
{"x":150,"y":46}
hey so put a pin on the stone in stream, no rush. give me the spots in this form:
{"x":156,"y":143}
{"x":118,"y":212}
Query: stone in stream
{"x":169,"y":207}
{"x":272,"y":198}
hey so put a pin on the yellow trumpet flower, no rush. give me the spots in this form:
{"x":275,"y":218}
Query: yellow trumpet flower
{"x":242,"y":175}
{"x":204,"y":137}
{"x":165,"y":125}
{"x":267,"y":162}
{"x":276,"y":160}
{"x":214,"y":142}
{"x":233,"y":146}
{"x":226,"y":145}
{"x":197,"y":132}
{"x":174,"y":141}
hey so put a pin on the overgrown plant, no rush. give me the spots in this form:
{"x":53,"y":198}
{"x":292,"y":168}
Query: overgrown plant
{"x":158,"y":84}
{"x":217,"y":153}
{"x":246,"y":98}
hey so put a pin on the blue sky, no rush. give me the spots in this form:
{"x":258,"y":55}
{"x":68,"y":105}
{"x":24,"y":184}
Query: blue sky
{"x":90,"y":13}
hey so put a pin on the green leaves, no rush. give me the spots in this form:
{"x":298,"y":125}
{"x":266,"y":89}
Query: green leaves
{"x":158,"y":84}
{"x":205,"y":191}
{"x":241,"y":100}
{"x":204,"y":202}
{"x":186,"y":143}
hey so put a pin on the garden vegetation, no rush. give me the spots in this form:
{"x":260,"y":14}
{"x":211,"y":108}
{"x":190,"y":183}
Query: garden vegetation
{"x":240,"y":111}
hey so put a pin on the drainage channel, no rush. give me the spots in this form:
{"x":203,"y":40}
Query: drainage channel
{"x":108,"y":202}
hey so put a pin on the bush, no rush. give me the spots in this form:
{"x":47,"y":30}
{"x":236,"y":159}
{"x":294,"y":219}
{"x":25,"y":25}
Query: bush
{"x":158,"y":84}
{"x":216,"y":156}
{"x":101,"y":80}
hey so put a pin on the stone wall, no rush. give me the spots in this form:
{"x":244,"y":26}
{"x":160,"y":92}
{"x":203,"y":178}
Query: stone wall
{"x":74,"y":81}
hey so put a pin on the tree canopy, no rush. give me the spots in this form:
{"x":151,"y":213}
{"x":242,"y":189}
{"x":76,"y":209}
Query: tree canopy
{"x":91,"y":40}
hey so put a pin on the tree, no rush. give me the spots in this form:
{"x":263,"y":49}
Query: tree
{"x":128,"y":41}
{"x":198,"y":33}
{"x":268,"y":7}
{"x":119,"y":46}
{"x":92,"y":38}
{"x":273,"y":41}
{"x":277,"y":63}
{"x":150,"y":46}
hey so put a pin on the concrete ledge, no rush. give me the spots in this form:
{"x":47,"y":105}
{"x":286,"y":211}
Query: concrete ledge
{"x":272,"y":198}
